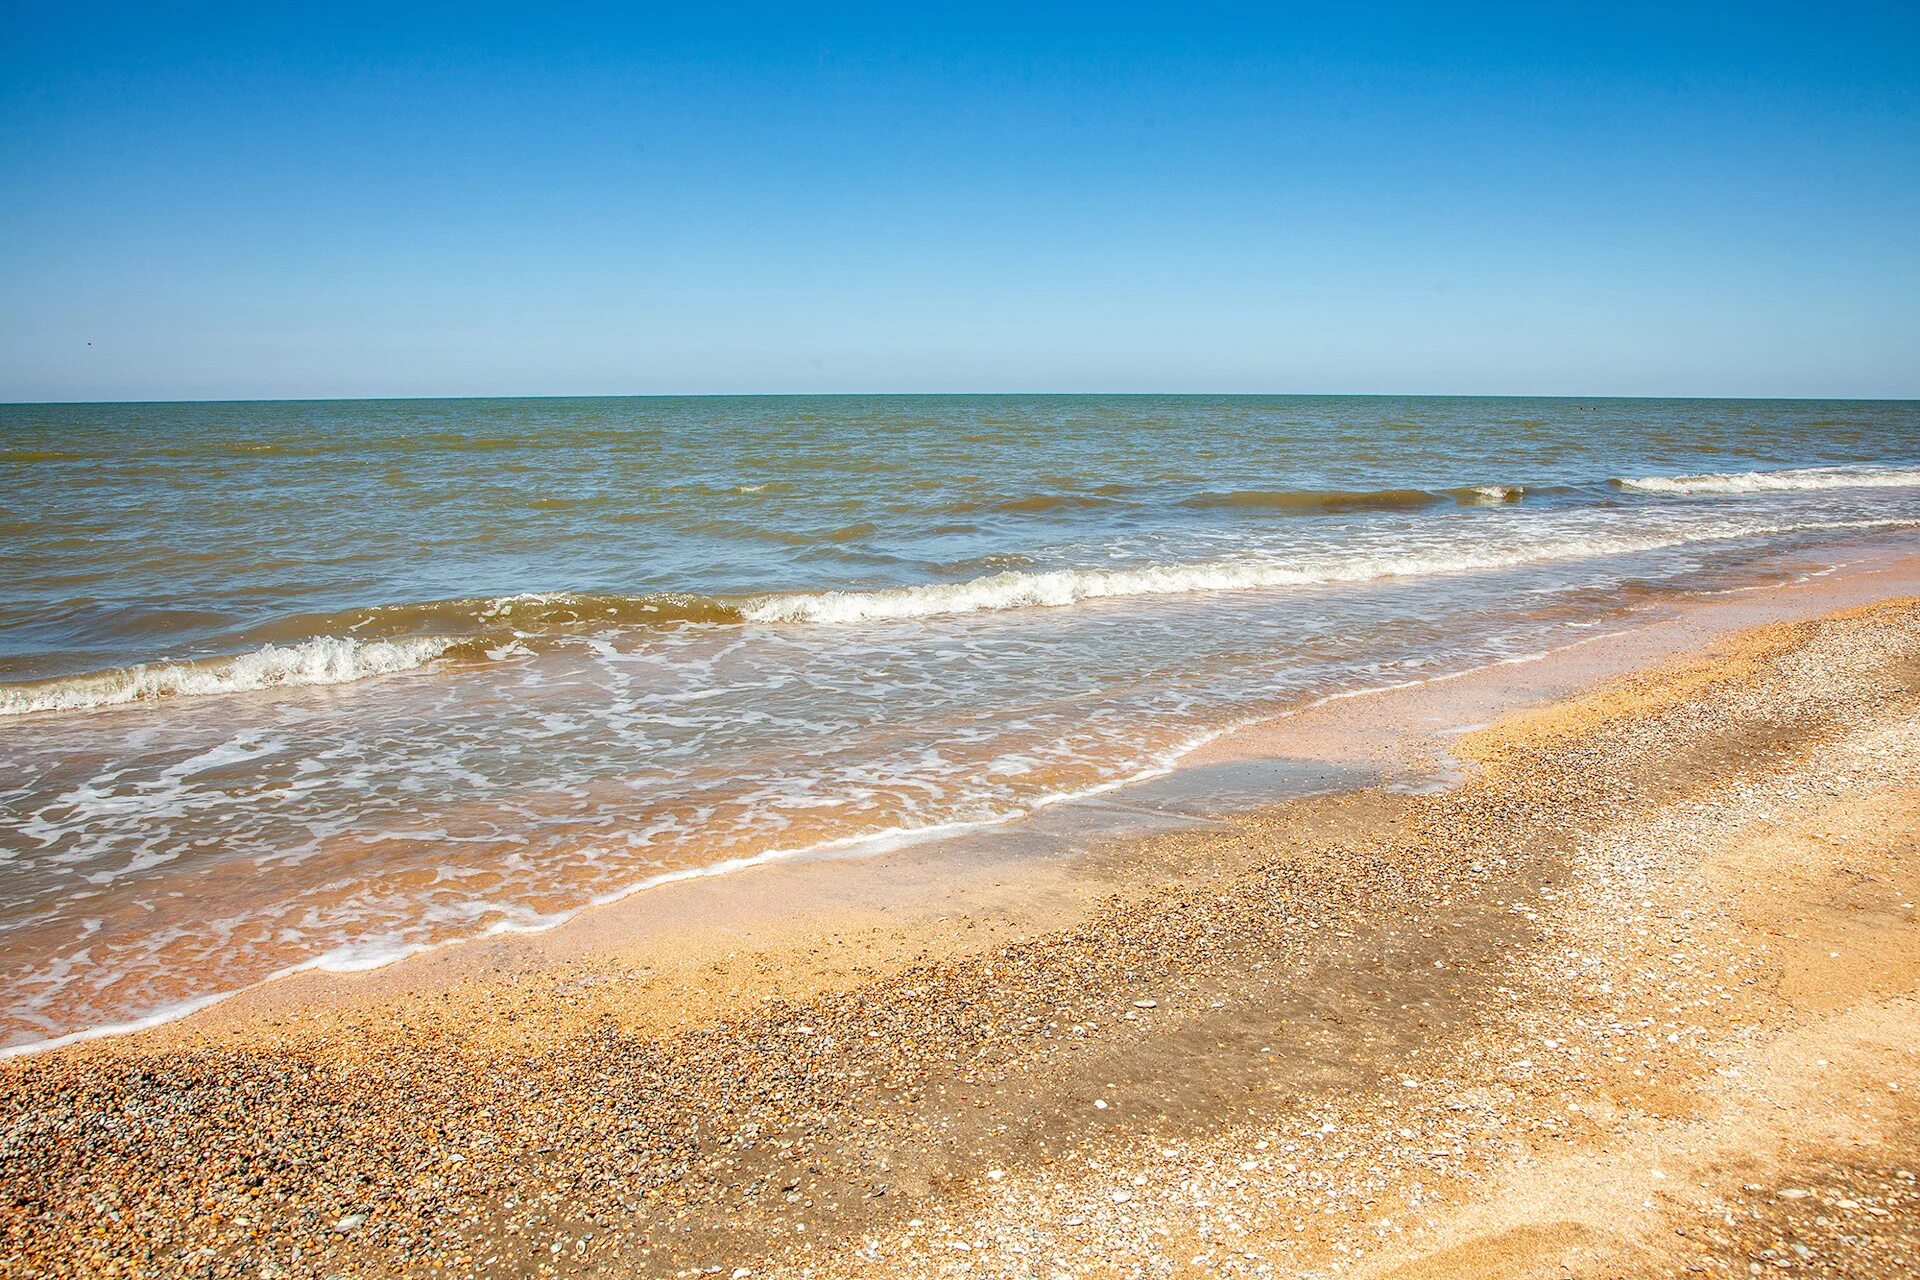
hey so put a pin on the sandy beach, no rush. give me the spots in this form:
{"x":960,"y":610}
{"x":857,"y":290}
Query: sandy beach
{"x":825,"y":643}
{"x":1598,"y":965}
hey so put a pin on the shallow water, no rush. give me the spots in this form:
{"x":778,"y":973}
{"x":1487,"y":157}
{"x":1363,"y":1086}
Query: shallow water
{"x":297,"y":684}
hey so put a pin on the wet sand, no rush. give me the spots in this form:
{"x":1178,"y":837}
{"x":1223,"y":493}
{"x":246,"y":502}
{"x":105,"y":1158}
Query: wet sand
{"x":1639,"y":995}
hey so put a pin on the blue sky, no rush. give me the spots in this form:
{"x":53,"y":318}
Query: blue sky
{"x":554,"y":199}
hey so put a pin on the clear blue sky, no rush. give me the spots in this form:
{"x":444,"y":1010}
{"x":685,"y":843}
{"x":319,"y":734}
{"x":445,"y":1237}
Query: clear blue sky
{"x":550,"y":199}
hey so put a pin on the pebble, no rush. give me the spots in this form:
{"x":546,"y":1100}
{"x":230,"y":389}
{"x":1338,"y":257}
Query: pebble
{"x":685,"y":1130}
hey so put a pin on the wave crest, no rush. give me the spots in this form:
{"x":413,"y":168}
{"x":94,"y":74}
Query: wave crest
{"x":501,"y":617}
{"x":324,"y":660}
{"x":1488,"y":495}
{"x":388,"y":639}
{"x":339,"y":648}
{"x":1055,"y":588}
{"x":1717,"y":482}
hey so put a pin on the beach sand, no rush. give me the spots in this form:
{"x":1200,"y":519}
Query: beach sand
{"x":1637,"y":994}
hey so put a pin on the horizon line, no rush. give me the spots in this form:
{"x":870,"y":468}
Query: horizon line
{"x":875,"y":395}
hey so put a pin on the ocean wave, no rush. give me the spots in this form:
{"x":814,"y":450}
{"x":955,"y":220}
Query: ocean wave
{"x":992,"y":562}
{"x":1488,"y":495}
{"x":1850,"y":477}
{"x":1313,"y":501}
{"x":354,"y":645}
{"x":48,"y":455}
{"x":1335,"y":501}
{"x":499,"y":618}
{"x":1030,"y":504}
{"x":544,"y":611}
{"x":1060,"y":587}
{"x":324,"y":660}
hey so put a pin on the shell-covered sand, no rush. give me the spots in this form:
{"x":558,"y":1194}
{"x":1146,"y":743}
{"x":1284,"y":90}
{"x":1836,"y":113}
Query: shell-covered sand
{"x":1640,"y":996}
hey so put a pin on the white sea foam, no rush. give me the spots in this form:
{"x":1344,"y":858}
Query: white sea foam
{"x":1857,"y":477}
{"x":323,"y":660}
{"x":1017,"y":590}
{"x":328,"y":660}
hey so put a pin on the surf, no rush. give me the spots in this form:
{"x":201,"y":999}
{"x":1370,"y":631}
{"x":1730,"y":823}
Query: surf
{"x":1795,"y":479}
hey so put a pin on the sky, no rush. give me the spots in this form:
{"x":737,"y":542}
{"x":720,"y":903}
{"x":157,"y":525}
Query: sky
{"x":230,"y":202}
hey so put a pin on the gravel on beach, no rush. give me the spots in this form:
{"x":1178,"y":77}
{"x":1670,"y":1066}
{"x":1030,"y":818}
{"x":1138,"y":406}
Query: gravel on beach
{"x":1640,"y":996}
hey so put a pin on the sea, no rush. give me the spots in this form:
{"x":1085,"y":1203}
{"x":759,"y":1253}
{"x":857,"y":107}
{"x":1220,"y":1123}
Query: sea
{"x":299,"y":685}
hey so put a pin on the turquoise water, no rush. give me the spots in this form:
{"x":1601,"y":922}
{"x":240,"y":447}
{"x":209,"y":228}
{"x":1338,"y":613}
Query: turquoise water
{"x":303,"y":684}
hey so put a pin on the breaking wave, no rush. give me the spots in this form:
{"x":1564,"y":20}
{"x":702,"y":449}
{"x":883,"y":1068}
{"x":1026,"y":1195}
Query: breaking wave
{"x":1858,"y":477}
{"x":1059,"y":587}
{"x":503,"y":617}
{"x":338,"y":648}
{"x":359,"y":644}
{"x":1488,"y":495}
{"x":324,"y":660}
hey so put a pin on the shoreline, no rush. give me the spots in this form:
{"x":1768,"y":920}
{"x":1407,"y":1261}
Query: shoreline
{"x":1363,"y":747}
{"x":1150,"y":1029}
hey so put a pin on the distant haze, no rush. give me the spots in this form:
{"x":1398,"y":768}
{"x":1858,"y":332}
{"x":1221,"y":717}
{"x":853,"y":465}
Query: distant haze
{"x":211,"y":202}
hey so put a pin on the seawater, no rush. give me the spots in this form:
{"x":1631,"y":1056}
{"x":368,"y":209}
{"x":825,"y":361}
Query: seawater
{"x":287,"y":685}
